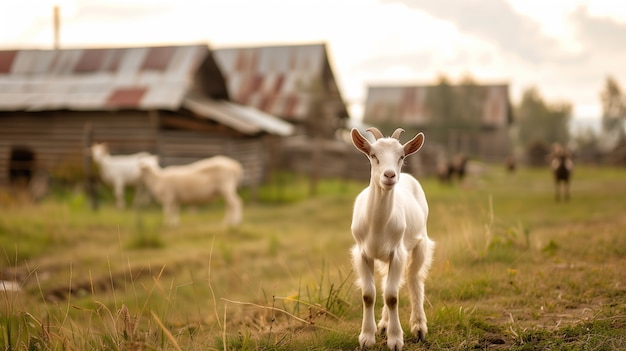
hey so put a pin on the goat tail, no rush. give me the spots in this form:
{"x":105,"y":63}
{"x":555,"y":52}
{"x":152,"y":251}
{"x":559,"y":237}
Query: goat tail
{"x":428,"y":251}
{"x":237,"y":172}
{"x":356,"y":257}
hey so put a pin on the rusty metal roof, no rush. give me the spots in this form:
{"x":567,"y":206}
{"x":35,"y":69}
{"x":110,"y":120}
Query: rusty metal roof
{"x":408,"y":104}
{"x":281,"y":80}
{"x":245,"y":119}
{"x":89,"y":79}
{"x":121,"y":78}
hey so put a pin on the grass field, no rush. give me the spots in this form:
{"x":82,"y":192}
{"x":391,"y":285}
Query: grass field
{"x":513,"y":270}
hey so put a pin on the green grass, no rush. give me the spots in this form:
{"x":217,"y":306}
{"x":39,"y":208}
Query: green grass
{"x":513,"y":269}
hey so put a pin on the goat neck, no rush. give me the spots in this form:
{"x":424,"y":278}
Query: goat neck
{"x":386,"y":157}
{"x":379,"y":205}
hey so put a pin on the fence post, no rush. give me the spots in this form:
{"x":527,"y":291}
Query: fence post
{"x":90,"y":179}
{"x":316,"y":160}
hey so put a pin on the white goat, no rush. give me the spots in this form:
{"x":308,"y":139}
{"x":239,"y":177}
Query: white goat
{"x":121,"y":170}
{"x":195,"y":183}
{"x":389,"y":228}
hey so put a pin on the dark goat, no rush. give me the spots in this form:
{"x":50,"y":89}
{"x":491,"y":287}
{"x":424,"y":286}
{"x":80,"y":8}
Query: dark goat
{"x":510,"y":163}
{"x":562,"y":167}
{"x":454,"y":168}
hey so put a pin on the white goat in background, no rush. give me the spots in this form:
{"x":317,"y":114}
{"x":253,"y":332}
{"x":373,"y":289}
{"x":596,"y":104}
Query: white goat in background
{"x":121,"y":170}
{"x":195,"y":183}
{"x":389,"y":228}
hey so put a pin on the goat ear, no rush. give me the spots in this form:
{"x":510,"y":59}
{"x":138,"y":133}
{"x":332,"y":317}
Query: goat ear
{"x":360,"y":142}
{"x":413,"y":145}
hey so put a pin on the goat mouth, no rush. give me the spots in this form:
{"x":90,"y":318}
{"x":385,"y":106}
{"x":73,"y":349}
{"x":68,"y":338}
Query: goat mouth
{"x":387,"y":183}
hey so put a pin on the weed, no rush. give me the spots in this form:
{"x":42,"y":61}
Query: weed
{"x":146,"y":235}
{"x":550,"y":248}
{"x":273,"y":246}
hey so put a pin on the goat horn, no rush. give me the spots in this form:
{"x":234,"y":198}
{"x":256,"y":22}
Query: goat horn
{"x":377,"y":134}
{"x":396,"y":133}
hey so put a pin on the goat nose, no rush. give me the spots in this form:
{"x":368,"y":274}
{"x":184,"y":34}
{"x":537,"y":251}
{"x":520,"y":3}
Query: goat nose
{"x":390,"y":174}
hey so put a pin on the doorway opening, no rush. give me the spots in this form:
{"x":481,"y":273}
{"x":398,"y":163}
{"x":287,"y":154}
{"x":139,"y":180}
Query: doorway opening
{"x":21,"y":165}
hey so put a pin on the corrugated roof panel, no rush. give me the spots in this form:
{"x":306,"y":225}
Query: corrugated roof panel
{"x":132,"y":61}
{"x":23,"y":63}
{"x":64,"y":64}
{"x":245,"y":119}
{"x":149,"y":78}
{"x":112,"y":60}
{"x":158,"y":58}
{"x":290,"y":83}
{"x":275,"y":79}
{"x":6,"y":60}
{"x":90,"y":61}
{"x":165,"y":94}
{"x":215,"y":111}
{"x":268,"y":84}
{"x":291,"y":105}
{"x":12,"y":85}
{"x":182,"y":59}
{"x":266,"y":122}
{"x":125,"y":97}
{"x":75,"y":78}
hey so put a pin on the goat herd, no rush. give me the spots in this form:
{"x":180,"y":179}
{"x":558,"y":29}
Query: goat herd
{"x":388,"y":222}
{"x":560,"y":160}
{"x":173,"y":186}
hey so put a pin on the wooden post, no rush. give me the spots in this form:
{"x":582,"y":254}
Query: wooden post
{"x":57,"y":27}
{"x":90,"y":179}
{"x":316,"y":158}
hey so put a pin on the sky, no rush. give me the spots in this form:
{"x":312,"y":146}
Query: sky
{"x":564,"y":48}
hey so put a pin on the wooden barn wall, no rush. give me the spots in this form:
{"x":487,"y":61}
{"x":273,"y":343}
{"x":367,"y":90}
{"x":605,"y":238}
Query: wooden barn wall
{"x":57,"y":137}
{"x":325,"y":159}
{"x":178,"y":147}
{"x":57,"y":140}
{"x":495,"y":145}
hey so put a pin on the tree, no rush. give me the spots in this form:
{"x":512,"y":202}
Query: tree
{"x":541,"y":124}
{"x":613,"y":111}
{"x":470,"y":98}
{"x":455,"y":111}
{"x":440,"y":101}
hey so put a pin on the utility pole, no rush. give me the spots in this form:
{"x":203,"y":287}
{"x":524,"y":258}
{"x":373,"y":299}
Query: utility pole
{"x":57,"y":26}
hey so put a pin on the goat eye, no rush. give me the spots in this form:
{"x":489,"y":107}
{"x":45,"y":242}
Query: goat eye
{"x":373,"y":157}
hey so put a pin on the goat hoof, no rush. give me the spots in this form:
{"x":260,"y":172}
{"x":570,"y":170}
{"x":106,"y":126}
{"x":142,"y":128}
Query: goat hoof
{"x":397,"y":346}
{"x":366,"y":341}
{"x":421,"y":336}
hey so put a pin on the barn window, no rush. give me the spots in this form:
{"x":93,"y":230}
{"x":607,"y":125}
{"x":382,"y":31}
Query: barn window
{"x":21,"y":165}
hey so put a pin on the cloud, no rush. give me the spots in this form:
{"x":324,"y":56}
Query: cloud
{"x":497,"y":22}
{"x":598,"y":33}
{"x":419,"y":59}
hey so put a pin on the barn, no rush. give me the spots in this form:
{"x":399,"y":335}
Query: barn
{"x":293,"y":82}
{"x":169,"y":100}
{"x":296,"y":83}
{"x":467,"y":118}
